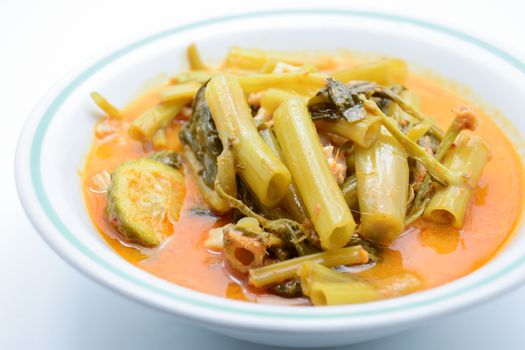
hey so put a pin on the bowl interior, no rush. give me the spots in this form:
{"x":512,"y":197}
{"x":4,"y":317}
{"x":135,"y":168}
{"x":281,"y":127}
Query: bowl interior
{"x":64,"y":131}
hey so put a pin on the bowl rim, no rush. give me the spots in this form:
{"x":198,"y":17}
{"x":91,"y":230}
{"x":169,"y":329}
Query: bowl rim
{"x":34,"y":199}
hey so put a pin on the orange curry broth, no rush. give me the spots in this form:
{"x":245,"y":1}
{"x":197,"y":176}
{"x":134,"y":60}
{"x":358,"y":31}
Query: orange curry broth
{"x":437,"y":254}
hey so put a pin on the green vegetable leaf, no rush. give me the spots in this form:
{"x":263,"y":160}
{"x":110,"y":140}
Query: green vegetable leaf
{"x":170,"y":158}
{"x":288,"y":289}
{"x":201,"y":135}
{"x":336,"y":101}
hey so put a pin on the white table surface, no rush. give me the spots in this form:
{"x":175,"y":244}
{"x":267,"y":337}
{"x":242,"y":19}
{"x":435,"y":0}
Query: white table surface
{"x":45,"y":304}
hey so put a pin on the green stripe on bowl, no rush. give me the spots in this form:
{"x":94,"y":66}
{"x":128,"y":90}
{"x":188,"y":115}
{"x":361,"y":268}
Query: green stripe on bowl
{"x":43,"y":125}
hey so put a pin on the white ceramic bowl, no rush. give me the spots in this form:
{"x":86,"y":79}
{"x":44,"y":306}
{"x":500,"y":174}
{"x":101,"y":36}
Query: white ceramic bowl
{"x":59,"y":132}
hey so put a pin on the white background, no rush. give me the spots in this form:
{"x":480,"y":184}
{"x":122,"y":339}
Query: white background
{"x":45,"y":304}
